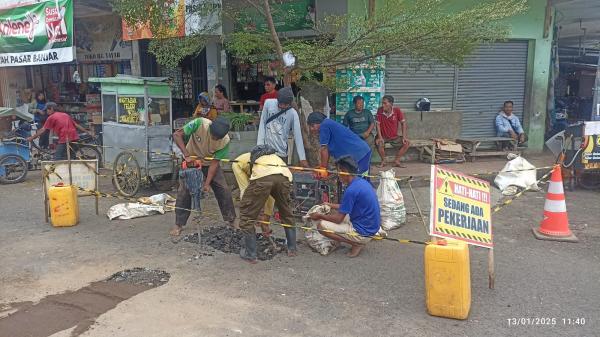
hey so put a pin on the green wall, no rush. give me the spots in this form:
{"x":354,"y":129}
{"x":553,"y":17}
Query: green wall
{"x":528,"y":26}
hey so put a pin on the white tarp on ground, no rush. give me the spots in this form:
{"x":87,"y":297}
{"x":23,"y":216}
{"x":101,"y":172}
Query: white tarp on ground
{"x":519,"y":173}
{"x":146,"y":206}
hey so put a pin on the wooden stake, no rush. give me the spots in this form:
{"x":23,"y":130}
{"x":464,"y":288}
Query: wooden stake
{"x":491,"y":271}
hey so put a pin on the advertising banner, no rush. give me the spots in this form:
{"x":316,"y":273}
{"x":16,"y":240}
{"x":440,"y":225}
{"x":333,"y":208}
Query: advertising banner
{"x":287,"y":16}
{"x":100,"y":39}
{"x":460,"y":207}
{"x":182,"y":18}
{"x":34,"y":34}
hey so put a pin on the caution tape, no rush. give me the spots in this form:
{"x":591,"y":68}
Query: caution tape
{"x":375,"y":237}
{"x":310,"y":169}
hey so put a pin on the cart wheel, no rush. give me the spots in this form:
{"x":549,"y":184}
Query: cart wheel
{"x":89,"y":152}
{"x":589,"y":180}
{"x":126,"y":174}
{"x":13,"y":169}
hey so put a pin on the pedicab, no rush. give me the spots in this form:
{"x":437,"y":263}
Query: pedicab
{"x":137,"y":130}
{"x":14,"y":151}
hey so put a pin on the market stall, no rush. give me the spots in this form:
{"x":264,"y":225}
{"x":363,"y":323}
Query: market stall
{"x":137,"y":129}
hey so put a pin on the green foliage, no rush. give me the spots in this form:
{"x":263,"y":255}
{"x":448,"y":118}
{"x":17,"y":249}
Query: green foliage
{"x":250,"y":47}
{"x":425,"y":30}
{"x":238,"y":120}
{"x":170,"y":51}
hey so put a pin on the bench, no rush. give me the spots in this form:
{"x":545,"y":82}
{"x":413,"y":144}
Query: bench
{"x":425,"y":147}
{"x":472,"y":150}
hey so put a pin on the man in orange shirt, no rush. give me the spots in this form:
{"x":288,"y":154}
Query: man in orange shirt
{"x":271,"y":92}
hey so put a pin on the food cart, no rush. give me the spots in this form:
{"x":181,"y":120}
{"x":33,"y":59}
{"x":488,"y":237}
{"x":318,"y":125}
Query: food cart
{"x":137,"y":130}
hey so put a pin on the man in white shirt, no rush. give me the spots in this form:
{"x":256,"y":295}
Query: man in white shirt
{"x":278,"y":119}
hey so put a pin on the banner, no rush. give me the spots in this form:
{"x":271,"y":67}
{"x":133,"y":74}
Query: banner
{"x":100,"y":39}
{"x":287,"y":16}
{"x":460,"y":207}
{"x":34,"y":34}
{"x":183,"y":18}
{"x":365,"y":80}
{"x":174,"y":20}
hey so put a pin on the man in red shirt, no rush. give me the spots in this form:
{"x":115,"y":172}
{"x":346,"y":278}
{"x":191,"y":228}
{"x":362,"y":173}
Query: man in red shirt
{"x":64,"y":127}
{"x":271,"y":92}
{"x":388,"y":118}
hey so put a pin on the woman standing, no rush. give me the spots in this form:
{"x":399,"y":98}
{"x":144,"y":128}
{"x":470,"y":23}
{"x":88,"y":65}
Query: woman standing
{"x":221,"y":101}
{"x":40,"y":116}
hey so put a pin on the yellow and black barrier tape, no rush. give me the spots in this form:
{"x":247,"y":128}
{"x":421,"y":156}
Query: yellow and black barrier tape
{"x":375,"y":237}
{"x":317,"y":170}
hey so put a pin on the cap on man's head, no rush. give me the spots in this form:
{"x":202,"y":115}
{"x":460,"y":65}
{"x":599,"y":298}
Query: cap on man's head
{"x":219,"y":127}
{"x":50,"y":105}
{"x":285,"y":96}
{"x":315,"y":118}
{"x":347,"y":164}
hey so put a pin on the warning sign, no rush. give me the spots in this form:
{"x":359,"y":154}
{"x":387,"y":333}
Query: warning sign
{"x":460,"y":207}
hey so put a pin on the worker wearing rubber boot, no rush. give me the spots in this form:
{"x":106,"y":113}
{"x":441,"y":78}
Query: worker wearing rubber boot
{"x":207,"y":139}
{"x":241,"y":171}
{"x":269,"y":178}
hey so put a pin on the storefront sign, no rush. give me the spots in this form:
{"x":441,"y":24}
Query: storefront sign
{"x":460,"y":207}
{"x":34,"y":34}
{"x":182,"y":17}
{"x":203,"y":17}
{"x":287,"y":16}
{"x":131,"y":110}
{"x":365,"y":80}
{"x":100,"y":39}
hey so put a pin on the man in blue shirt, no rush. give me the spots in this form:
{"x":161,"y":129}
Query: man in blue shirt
{"x":358,"y":217}
{"x":508,"y":125}
{"x":337,"y":140}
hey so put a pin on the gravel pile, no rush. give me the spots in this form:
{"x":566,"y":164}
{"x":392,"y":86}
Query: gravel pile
{"x":141,"y":276}
{"x":227,"y":240}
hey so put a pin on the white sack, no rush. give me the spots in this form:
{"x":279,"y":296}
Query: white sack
{"x":314,"y":239}
{"x":391,"y":201}
{"x":523,"y":179}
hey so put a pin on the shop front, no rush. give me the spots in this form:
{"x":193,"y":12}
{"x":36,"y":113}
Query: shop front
{"x":85,"y":42}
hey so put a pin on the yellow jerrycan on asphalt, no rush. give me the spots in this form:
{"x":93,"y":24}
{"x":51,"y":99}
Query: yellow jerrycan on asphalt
{"x":64,"y":206}
{"x":448,"y":279}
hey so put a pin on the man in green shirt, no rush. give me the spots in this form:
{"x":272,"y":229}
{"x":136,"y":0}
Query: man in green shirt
{"x":207,"y":139}
{"x":360,"y":120}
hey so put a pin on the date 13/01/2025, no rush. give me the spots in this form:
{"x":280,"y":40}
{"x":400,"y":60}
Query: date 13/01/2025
{"x":534,"y":321}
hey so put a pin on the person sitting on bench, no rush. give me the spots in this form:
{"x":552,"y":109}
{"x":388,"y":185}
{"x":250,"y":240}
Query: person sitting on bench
{"x":358,"y":218}
{"x":508,"y":125}
{"x":388,"y":119}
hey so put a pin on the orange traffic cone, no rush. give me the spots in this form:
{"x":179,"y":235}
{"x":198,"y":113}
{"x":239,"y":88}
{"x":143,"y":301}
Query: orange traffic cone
{"x":555,"y":225}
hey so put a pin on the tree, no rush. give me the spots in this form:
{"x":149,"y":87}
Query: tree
{"x":425,"y":30}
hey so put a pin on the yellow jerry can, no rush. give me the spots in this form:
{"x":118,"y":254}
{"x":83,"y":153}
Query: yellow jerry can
{"x":64,"y":207}
{"x":448,"y":279}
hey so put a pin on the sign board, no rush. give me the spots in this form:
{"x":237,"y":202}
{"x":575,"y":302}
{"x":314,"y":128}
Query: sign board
{"x":84,"y":174}
{"x":460,"y":207}
{"x":36,"y":33}
{"x":182,"y":18}
{"x":366,"y":80}
{"x":100,"y":39}
{"x":287,"y":16}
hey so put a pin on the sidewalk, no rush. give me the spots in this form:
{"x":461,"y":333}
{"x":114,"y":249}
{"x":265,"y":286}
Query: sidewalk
{"x":483,"y":167}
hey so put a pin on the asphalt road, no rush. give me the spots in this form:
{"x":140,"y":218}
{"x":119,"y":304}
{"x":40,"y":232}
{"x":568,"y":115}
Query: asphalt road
{"x":380,"y":293}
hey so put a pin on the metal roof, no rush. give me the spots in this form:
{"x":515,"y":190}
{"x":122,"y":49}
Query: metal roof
{"x":128,"y":79}
{"x":578,"y":22}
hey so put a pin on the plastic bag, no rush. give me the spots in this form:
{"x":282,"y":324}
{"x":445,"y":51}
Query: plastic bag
{"x":315,"y":240}
{"x":391,"y":201}
{"x":521,"y":174}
